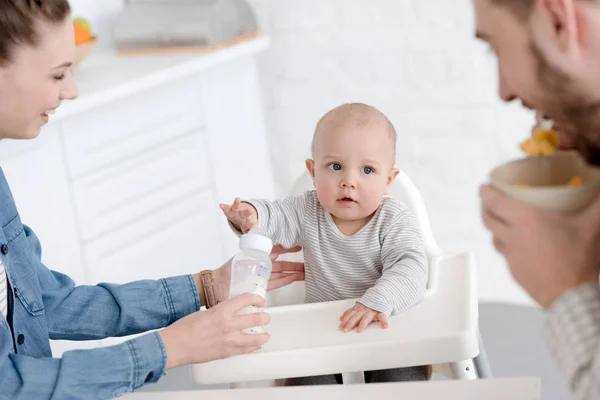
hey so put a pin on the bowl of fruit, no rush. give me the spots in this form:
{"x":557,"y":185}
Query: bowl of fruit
{"x":84,"y":40}
{"x":548,"y":178}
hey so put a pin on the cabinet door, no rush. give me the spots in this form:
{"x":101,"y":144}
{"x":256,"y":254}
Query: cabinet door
{"x":231,"y":98}
{"x":178,"y":239}
{"x":122,"y":129}
{"x":138,"y":187}
{"x":238,"y":145}
{"x":35,"y":170}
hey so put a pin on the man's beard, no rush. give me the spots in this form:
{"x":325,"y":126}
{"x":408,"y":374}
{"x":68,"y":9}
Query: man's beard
{"x":578,"y":116}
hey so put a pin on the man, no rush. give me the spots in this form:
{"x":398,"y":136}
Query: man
{"x":549,"y":57}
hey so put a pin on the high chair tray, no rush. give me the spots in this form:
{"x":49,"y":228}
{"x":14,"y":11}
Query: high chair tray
{"x":306,"y":340}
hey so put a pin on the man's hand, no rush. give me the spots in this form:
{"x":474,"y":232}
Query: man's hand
{"x":547,"y":253}
{"x":243,"y":216}
{"x":284,"y":273}
{"x":361,"y":316}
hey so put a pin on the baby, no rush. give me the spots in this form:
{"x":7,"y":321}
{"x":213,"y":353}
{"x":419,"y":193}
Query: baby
{"x":357,"y":242}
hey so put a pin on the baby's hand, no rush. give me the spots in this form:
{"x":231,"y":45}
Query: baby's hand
{"x":243,"y":216}
{"x":363,"y":317}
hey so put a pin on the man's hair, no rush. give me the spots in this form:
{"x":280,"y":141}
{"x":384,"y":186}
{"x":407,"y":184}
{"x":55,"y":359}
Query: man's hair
{"x":20,"y":19}
{"x":522,"y":8}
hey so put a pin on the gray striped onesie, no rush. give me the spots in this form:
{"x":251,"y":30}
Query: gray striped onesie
{"x":384,"y":264}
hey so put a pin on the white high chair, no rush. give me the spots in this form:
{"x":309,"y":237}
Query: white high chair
{"x":440,"y":331}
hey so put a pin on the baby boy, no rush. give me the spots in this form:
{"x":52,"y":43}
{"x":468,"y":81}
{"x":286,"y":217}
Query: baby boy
{"x":357,"y":242}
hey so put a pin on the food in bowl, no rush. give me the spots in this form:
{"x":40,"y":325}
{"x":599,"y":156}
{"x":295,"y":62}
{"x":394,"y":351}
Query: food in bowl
{"x":543,"y":143}
{"x":574,"y":181}
{"x":548,"y":178}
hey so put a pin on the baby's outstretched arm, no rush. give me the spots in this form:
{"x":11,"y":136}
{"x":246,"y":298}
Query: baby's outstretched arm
{"x":280,"y":220}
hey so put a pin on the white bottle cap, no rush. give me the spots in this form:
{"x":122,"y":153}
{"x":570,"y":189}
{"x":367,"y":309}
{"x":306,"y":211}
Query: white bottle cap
{"x":256,"y":241}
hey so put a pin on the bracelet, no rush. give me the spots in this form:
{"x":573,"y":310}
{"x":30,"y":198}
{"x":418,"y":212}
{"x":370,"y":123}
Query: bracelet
{"x":207,"y":280}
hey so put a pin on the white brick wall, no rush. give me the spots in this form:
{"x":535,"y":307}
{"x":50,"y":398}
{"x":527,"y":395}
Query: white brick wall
{"x":417,"y":61}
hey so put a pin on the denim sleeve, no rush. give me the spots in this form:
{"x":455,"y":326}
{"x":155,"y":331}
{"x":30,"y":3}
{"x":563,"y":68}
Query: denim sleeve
{"x":109,"y":310}
{"x":101,"y":373}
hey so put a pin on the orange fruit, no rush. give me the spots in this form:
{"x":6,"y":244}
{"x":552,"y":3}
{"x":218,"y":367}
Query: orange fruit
{"x":82,"y":34}
{"x":83,"y":22}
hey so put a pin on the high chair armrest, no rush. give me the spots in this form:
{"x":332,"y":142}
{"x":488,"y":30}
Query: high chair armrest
{"x":305,"y":339}
{"x":437,"y":261}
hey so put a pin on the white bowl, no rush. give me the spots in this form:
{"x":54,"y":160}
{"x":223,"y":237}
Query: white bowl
{"x":545,"y":181}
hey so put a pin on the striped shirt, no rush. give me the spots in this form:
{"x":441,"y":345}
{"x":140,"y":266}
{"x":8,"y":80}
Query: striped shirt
{"x":573,"y":335}
{"x":3,"y":291}
{"x":383,"y":265}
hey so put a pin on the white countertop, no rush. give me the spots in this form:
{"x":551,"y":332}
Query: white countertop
{"x":105,"y":77}
{"x":493,"y":389}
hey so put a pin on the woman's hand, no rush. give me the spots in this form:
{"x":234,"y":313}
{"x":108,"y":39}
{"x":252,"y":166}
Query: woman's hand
{"x":216,"y":333}
{"x":284,"y":273}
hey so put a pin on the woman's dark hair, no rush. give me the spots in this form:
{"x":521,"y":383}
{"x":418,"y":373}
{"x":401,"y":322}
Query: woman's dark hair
{"x":20,"y":19}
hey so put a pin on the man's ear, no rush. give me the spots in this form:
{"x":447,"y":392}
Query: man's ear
{"x":391,"y":177}
{"x":562,"y":14}
{"x":310,"y":166}
{"x":556,"y":28}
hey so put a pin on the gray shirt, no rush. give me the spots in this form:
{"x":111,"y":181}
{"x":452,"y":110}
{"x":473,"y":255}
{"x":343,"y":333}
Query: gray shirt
{"x":573,"y":335}
{"x":384,"y":264}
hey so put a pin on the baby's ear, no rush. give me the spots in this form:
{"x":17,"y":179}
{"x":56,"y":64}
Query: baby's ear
{"x":310,"y":166}
{"x":393,"y":174}
{"x":391,"y":177}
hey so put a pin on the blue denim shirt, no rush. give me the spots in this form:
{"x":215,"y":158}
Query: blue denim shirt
{"x":45,"y":304}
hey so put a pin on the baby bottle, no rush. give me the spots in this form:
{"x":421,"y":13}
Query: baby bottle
{"x":251,"y":269}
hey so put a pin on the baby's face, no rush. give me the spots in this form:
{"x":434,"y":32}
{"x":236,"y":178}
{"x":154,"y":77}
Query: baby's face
{"x":353,"y":169}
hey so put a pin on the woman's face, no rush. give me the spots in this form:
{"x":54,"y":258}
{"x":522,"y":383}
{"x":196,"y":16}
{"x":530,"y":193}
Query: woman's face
{"x":36,"y":81}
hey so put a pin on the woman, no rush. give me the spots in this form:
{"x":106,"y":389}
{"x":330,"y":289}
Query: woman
{"x":37,"y":304}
